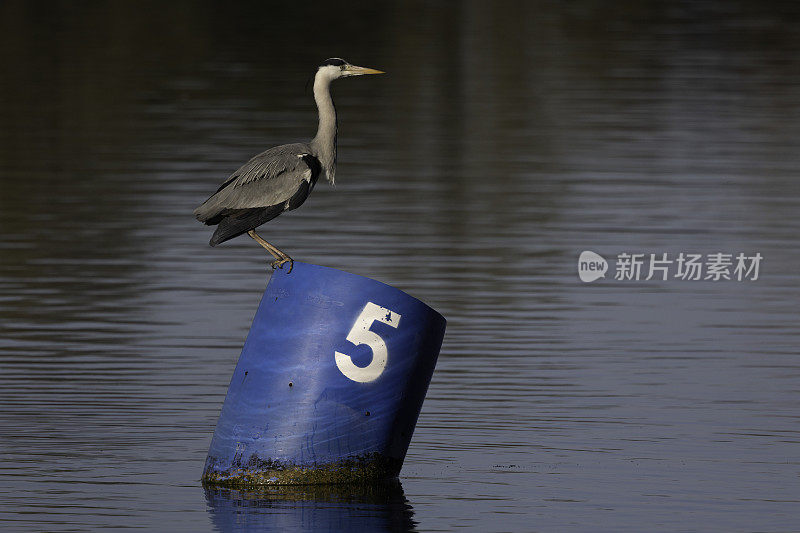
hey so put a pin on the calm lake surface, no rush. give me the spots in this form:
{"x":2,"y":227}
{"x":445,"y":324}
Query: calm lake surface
{"x":506,"y":139}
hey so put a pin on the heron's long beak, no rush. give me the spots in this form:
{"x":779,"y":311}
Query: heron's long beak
{"x":353,"y":70}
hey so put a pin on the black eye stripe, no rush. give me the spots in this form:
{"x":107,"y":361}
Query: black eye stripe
{"x":335,"y":61}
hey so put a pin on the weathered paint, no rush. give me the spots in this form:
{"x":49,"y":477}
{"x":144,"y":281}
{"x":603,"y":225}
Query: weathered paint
{"x":258,"y":472}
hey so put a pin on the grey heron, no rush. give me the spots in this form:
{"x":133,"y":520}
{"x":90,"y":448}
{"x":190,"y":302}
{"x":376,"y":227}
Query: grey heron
{"x":281,"y":178}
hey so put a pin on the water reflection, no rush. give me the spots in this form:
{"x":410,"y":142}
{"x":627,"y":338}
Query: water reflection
{"x":370,"y":508}
{"x":506,"y":138}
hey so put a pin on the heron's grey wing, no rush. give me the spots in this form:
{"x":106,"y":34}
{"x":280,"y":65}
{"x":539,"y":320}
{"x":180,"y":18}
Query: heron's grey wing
{"x":235,"y":222}
{"x":239,"y":221}
{"x":271,"y":178}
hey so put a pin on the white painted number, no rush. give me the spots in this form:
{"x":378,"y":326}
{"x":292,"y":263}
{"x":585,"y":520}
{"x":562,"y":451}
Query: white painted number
{"x":360,"y":334}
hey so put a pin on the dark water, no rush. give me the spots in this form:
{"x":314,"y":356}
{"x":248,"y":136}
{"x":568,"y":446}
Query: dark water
{"x":506,"y":139}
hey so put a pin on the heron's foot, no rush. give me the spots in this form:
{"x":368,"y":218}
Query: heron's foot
{"x":278,"y":263}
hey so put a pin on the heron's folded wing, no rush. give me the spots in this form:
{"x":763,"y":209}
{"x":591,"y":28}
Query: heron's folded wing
{"x":270,"y":178}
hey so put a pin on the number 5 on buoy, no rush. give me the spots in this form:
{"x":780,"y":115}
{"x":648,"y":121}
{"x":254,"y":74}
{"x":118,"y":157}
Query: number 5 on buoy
{"x":361,"y":334}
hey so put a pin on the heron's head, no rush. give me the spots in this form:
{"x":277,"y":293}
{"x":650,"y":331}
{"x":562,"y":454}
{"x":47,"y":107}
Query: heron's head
{"x":335,"y":68}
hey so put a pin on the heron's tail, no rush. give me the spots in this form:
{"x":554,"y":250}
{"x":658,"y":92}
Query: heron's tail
{"x":224,"y":233}
{"x":233,"y":223}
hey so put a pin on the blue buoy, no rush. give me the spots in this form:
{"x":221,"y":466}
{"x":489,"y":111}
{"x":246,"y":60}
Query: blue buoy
{"x":329,"y":384}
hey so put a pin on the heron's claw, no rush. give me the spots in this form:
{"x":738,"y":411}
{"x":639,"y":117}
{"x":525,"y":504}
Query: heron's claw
{"x":278,"y":263}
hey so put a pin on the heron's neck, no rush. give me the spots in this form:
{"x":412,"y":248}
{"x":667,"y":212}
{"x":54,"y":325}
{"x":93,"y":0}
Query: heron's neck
{"x":325,"y":141}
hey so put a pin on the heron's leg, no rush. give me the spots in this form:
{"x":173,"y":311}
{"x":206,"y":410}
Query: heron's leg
{"x":281,"y":257}
{"x":277,"y":254}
